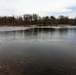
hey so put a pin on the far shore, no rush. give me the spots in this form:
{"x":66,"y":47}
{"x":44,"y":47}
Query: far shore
{"x":37,"y":25}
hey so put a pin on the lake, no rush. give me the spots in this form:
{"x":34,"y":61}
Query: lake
{"x":42,"y":50}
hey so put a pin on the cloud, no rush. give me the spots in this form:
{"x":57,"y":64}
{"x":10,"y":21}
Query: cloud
{"x":19,"y":7}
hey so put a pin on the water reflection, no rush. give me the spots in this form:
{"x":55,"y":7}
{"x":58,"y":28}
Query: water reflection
{"x":38,"y":51}
{"x":35,"y":33}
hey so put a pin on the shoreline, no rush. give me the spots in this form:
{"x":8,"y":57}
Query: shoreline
{"x":36,"y":25}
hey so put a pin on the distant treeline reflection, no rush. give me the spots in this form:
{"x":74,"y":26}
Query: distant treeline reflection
{"x":33,"y":32}
{"x":34,"y":19}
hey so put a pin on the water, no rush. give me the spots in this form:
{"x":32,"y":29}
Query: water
{"x":38,"y":51}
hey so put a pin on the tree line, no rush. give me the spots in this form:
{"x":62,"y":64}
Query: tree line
{"x":34,"y":19}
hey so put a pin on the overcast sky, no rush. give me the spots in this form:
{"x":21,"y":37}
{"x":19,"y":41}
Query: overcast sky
{"x":41,"y":7}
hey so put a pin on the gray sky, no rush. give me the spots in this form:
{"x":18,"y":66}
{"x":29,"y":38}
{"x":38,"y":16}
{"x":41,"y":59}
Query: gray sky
{"x":41,"y":7}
